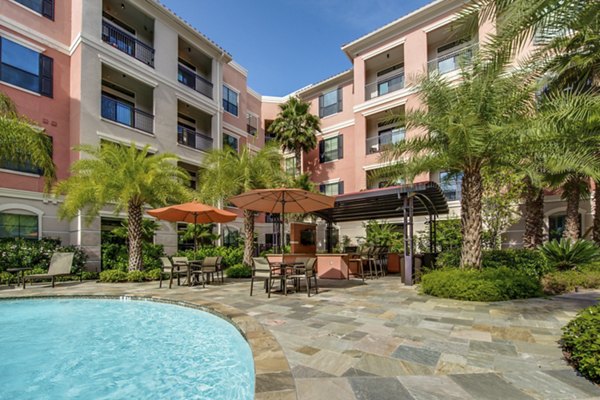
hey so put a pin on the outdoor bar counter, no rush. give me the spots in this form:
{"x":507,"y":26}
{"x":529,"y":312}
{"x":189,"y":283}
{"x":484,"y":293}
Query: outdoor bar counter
{"x":329,"y":266}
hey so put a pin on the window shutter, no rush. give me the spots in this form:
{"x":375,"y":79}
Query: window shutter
{"x":48,"y":9}
{"x":340,"y":147}
{"x":339,"y":100}
{"x":321,"y":105}
{"x":341,"y":187}
{"x":46,"y":72}
{"x":321,"y":151}
{"x":322,"y":188}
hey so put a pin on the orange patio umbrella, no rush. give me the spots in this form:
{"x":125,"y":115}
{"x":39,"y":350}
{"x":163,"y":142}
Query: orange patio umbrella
{"x":280,"y":201}
{"x":193,"y":212}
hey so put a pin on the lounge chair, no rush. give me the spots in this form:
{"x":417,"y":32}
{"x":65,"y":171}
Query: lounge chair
{"x":60,"y":265}
{"x":261,"y":270}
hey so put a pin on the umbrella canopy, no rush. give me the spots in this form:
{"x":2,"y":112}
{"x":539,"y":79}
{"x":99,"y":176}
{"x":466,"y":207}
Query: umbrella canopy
{"x":194,"y":213}
{"x":280,"y":201}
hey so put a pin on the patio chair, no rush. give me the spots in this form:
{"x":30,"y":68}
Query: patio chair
{"x":355,"y":258}
{"x":60,"y":265}
{"x":367,"y":257}
{"x":308,"y":274}
{"x":210,"y":268}
{"x":182,"y":268}
{"x":172,"y":270}
{"x":261,"y":270}
{"x":220,"y":269}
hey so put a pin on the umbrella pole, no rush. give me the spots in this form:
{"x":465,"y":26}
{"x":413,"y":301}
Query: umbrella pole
{"x":195,"y":234}
{"x":283,"y":224}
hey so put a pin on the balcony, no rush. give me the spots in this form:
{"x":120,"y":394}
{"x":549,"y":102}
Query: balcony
{"x":193,"y":139}
{"x":126,"y":114}
{"x":384,"y":140}
{"x":192,"y":80}
{"x":127,"y":43}
{"x":384,"y":85}
{"x":453,"y":60}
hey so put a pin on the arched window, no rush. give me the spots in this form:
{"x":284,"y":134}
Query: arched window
{"x":20,"y":221}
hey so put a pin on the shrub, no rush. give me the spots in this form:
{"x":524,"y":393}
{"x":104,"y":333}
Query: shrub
{"x":568,"y":254}
{"x":153,"y":274}
{"x":24,"y":253}
{"x":567,"y":281}
{"x":88,"y":275}
{"x":113,"y":275}
{"x":239,"y":271}
{"x":116,"y":256}
{"x":136,"y":276}
{"x":581,"y":342}
{"x":531,"y":262}
{"x":448,"y":234}
{"x":231,"y":255}
{"x":493,"y":284}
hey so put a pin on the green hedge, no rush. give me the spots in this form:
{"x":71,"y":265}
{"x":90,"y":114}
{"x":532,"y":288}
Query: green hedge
{"x":581,"y":342}
{"x":493,"y":284}
{"x":530,"y":262}
{"x":115,"y":275}
{"x":567,"y":281}
{"x":231,"y":255}
{"x":116,"y":256}
{"x":26,"y":253}
{"x":239,"y":271}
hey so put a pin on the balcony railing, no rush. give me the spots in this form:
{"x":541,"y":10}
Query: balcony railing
{"x":126,"y":114}
{"x":192,"y":80}
{"x":193,"y":139}
{"x":127,"y":43}
{"x":385,"y":140}
{"x":384,"y":86}
{"x":452,"y":61}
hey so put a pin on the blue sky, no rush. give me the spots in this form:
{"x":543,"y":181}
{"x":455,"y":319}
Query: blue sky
{"x":288,"y":44}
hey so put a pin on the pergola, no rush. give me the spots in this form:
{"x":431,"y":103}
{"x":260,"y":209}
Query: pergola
{"x":408,"y":201}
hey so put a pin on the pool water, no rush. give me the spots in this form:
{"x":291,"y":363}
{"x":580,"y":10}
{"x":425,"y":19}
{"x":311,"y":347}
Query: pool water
{"x":111,"y":349}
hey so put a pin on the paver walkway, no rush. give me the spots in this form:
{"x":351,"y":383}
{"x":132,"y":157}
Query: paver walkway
{"x":384,"y":341}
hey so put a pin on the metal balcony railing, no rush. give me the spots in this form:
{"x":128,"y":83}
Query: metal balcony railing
{"x":452,"y":61}
{"x":384,"y":86}
{"x":192,"y":80}
{"x":126,"y":114}
{"x":193,"y":139}
{"x":127,"y":43}
{"x":375,"y":144}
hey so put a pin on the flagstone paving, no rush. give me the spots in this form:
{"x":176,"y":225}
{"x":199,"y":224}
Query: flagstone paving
{"x":382,"y":340}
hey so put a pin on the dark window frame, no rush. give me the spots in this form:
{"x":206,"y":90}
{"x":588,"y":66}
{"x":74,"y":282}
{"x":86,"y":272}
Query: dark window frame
{"x":45,"y":72}
{"x":331,"y":109}
{"x":325,"y":156}
{"x":45,"y":8}
{"x":228,"y":105}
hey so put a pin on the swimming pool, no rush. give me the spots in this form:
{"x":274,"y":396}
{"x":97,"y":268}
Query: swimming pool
{"x":111,"y":349}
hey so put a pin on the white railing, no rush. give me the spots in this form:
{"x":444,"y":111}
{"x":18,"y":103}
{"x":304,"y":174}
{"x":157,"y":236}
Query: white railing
{"x":453,"y":60}
{"x":384,"y":85}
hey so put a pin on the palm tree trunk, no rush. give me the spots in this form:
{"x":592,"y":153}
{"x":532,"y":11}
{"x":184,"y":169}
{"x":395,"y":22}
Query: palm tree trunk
{"x":533,"y":215}
{"x":299,"y":161}
{"x":471,"y":222}
{"x":572,"y":190}
{"x":596,"y":228}
{"x":248,"y":237}
{"x":134,"y":235}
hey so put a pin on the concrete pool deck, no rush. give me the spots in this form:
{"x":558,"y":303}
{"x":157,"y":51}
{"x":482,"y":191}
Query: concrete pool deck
{"x":383,"y":340}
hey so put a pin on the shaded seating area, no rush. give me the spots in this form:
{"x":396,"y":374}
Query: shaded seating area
{"x":60,"y":265}
{"x":406,"y":201}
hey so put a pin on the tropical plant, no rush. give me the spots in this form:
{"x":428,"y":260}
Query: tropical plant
{"x":200,"y":233}
{"x":23,"y":143}
{"x":126,"y":178}
{"x":581,"y":341}
{"x":149,"y":228}
{"x":468,"y":126}
{"x":568,"y":254}
{"x":383,"y":234}
{"x":295,"y":128}
{"x":226,"y":173}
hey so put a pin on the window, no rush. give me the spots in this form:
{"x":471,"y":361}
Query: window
{"x":19,"y":225}
{"x":251,"y":123}
{"x":330,"y":103}
{"x":25,"y":68}
{"x":44,"y":7}
{"x":450,"y":55}
{"x":331,"y":149}
{"x":389,"y":134}
{"x":556,"y":226}
{"x":230,"y":101}
{"x":230,"y":141}
{"x":451,"y":185}
{"x":289,"y":165}
{"x":332,"y":189}
{"x":390,"y":79}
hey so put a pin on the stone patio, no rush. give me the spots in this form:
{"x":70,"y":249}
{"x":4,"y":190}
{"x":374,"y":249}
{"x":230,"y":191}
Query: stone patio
{"x":382,"y":340}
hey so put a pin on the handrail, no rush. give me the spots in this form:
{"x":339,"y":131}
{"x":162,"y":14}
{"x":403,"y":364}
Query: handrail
{"x":194,"y":139}
{"x":127,"y":43}
{"x":465,"y":53}
{"x":384,"y":85}
{"x":375,"y":144}
{"x":197,"y":82}
{"x":125,"y":114}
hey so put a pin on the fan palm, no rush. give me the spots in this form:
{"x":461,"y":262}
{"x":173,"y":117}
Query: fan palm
{"x":126,"y":178}
{"x":226,"y":173}
{"x":295,"y":128}
{"x":21,"y":143}
{"x":468,"y":126}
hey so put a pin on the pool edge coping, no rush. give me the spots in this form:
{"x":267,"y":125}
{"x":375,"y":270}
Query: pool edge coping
{"x":271,"y":367}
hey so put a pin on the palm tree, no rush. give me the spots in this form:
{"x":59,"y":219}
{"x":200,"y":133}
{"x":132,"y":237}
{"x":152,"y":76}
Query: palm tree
{"x":21,"y":142}
{"x":295,"y":128}
{"x":468,"y":126}
{"x":126,"y":178}
{"x":226,"y":173}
